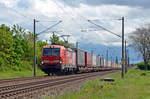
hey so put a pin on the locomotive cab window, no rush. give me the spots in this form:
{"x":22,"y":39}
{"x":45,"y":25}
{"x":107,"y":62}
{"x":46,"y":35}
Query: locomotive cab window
{"x":55,"y":52}
{"x":51,"y":51}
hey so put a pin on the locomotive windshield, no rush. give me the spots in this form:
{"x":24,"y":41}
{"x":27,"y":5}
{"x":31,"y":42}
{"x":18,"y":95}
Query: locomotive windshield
{"x":51,"y":51}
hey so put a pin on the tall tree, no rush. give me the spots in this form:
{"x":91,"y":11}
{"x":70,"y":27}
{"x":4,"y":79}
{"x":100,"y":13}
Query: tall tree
{"x":140,"y":40}
{"x":6,"y":46}
{"x":54,"y":39}
{"x":18,"y":31}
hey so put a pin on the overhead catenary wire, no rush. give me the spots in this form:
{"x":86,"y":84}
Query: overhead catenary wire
{"x":84,"y":18}
{"x":69,"y":13}
{"x":104,"y":28}
{"x":29,"y":18}
{"x":99,"y":25}
{"x":48,"y":28}
{"x":25,"y":16}
{"x":47,"y":21}
{"x":81,"y":16}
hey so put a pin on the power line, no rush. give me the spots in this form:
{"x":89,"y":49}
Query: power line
{"x":25,"y":16}
{"x":49,"y":28}
{"x":84,"y":18}
{"x":47,"y":21}
{"x":20,"y":13}
{"x":29,"y":18}
{"x":71,"y":15}
{"x":104,"y":28}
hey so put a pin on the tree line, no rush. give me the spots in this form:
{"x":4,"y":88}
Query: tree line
{"x":17,"y":50}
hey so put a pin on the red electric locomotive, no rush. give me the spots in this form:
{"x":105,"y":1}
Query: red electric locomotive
{"x":58,"y":59}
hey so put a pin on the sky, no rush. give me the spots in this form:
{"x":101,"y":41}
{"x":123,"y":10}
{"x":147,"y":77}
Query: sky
{"x":74,"y":14}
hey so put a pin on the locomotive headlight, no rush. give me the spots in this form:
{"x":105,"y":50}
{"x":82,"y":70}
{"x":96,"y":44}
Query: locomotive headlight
{"x":42,"y":62}
{"x":60,"y":61}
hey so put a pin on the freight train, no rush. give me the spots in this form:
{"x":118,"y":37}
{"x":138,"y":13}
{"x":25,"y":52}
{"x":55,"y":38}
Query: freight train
{"x":57,"y":59}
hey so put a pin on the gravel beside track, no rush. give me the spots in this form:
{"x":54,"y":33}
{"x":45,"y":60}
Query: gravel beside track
{"x":32,"y":88}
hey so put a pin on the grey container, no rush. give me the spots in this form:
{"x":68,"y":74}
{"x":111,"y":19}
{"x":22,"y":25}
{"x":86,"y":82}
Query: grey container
{"x":98,"y":60}
{"x":74,"y":58}
{"x":109,"y":63}
{"x":80,"y":57}
{"x":94,"y":63}
{"x":105,"y":63}
{"x":101,"y":61}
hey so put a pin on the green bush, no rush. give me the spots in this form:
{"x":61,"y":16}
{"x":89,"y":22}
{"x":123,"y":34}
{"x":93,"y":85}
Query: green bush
{"x":142,"y":66}
{"x":16,"y":49}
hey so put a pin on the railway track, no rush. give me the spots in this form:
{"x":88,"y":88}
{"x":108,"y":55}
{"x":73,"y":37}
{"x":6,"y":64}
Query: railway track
{"x":20,"y":89}
{"x":14,"y":86}
{"x":19,"y":79}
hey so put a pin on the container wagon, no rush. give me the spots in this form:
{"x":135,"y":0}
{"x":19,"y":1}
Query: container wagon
{"x":88,"y":61}
{"x":80,"y":58}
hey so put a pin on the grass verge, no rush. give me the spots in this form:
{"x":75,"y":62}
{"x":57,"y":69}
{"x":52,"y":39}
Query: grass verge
{"x":136,"y":85}
{"x":19,"y":74}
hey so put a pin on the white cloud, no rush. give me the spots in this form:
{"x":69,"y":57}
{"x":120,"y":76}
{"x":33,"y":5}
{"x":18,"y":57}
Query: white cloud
{"x":46,"y":7}
{"x":9,"y":3}
{"x":75,"y":19}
